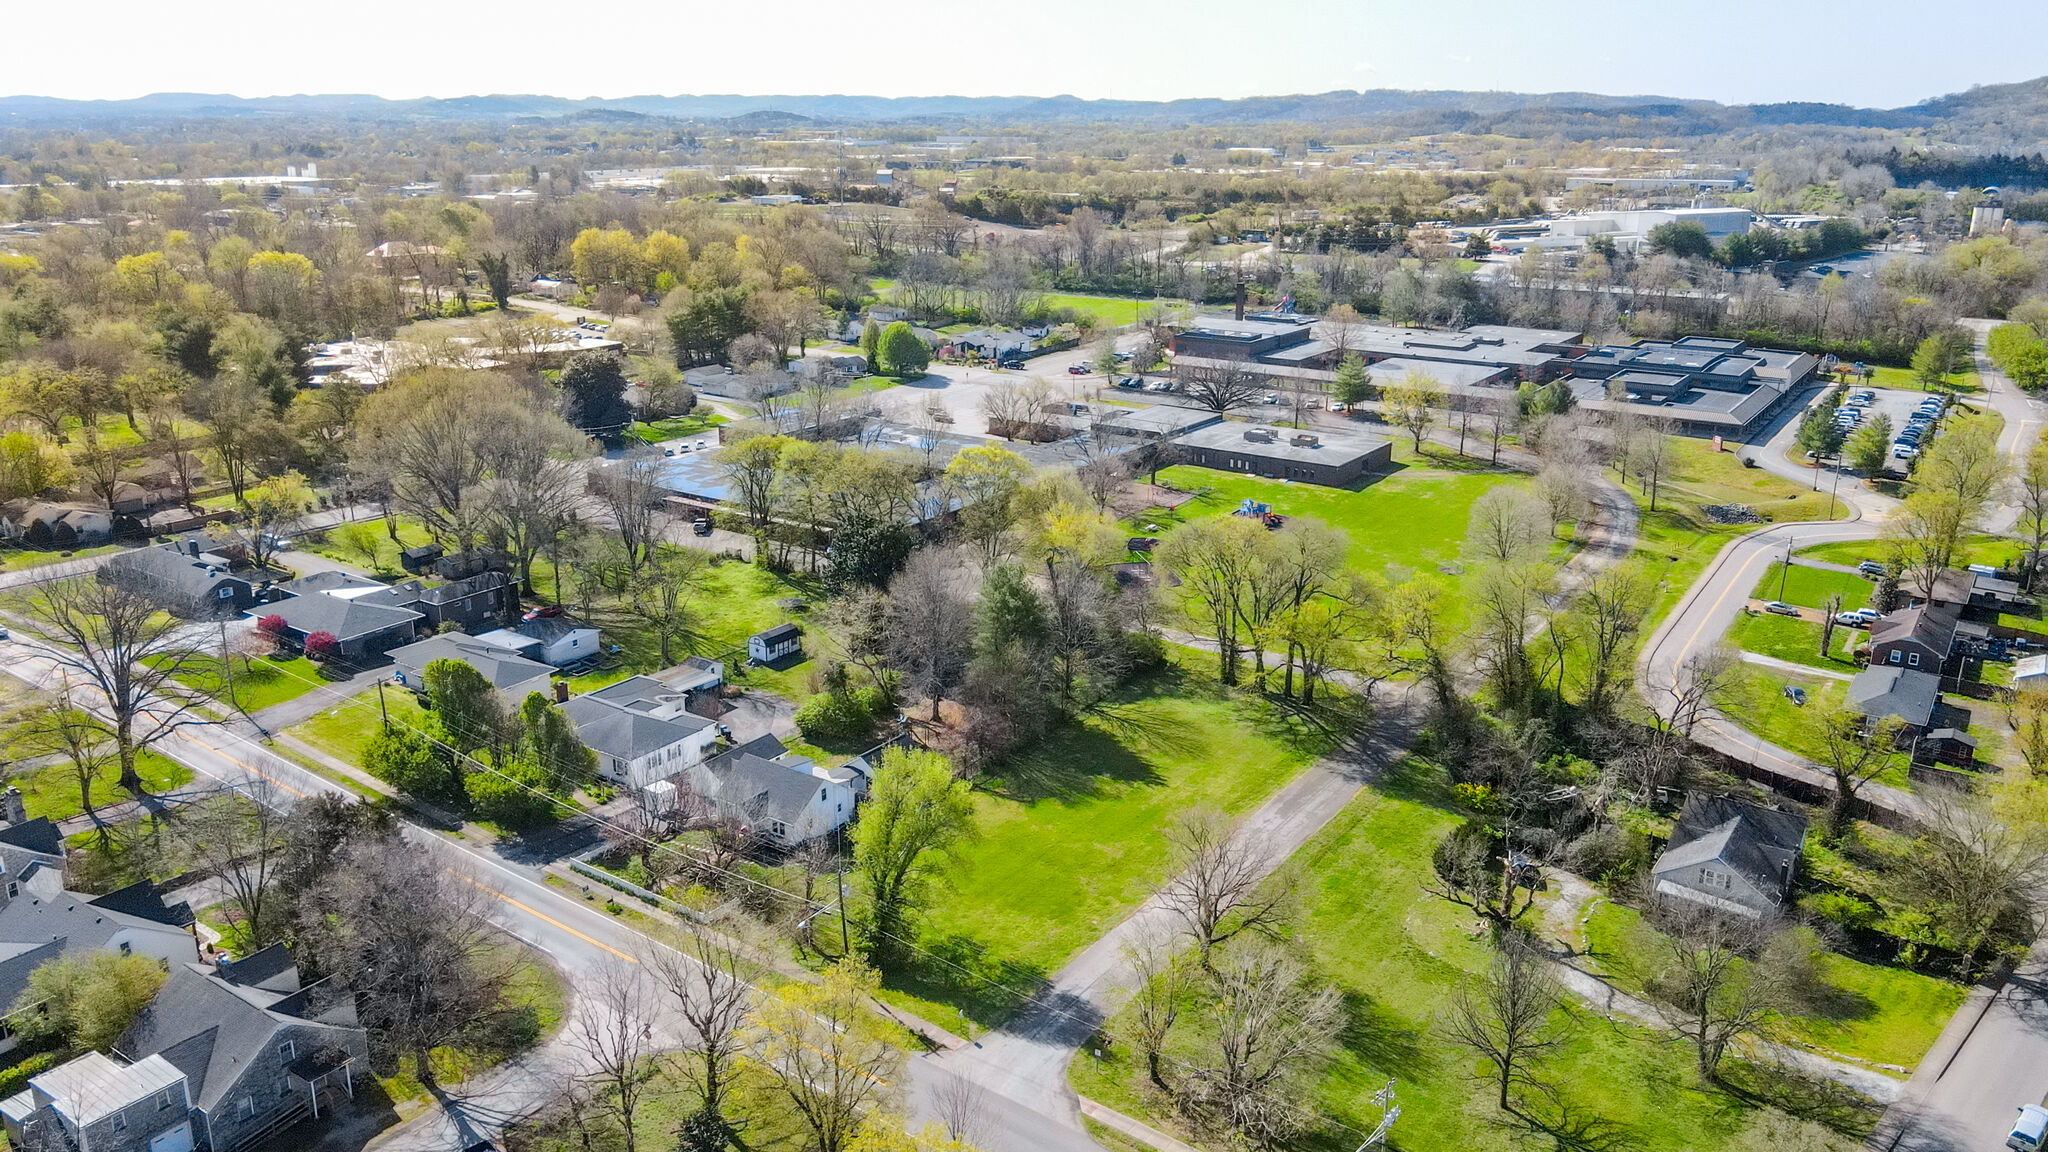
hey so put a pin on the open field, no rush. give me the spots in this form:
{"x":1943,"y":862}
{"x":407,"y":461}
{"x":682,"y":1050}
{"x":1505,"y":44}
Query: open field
{"x":1787,"y":638}
{"x":1071,"y":835}
{"x":1400,"y":956}
{"x":1811,"y":587}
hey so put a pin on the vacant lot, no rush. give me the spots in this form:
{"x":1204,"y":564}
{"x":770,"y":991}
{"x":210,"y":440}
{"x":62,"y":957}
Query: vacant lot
{"x":1399,"y":956}
{"x":1811,"y":587}
{"x":1416,"y":518}
{"x":1071,"y":836}
{"x":1787,"y":638}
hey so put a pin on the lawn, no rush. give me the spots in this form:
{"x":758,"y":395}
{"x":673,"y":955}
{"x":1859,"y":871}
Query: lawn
{"x":735,"y":601}
{"x":1757,"y":695}
{"x":1997,"y":551}
{"x":385,"y":538}
{"x":1865,"y":1011}
{"x":1905,"y":380}
{"x":257,"y":682}
{"x":535,"y":1001}
{"x":53,"y":789}
{"x":1787,"y":638}
{"x":1399,"y":956}
{"x":16,"y":559}
{"x":1071,"y":836}
{"x":1811,"y":587}
{"x":1416,"y":518}
{"x":675,"y":427}
{"x":343,"y":730}
{"x":1105,"y":311}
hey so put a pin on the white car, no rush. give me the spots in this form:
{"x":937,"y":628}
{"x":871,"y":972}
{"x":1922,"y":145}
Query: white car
{"x":1904,"y":452}
{"x":2029,"y":1129}
{"x":1857,"y":617}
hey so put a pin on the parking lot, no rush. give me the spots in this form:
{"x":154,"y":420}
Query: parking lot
{"x":1900,"y":406}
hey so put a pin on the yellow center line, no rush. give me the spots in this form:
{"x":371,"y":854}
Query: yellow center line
{"x":543,"y":917}
{"x":252,"y":769}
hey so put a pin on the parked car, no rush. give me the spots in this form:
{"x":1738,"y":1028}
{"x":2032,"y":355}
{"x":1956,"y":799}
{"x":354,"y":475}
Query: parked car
{"x":1871,"y":568}
{"x":1904,"y":451}
{"x":701,"y":527}
{"x":2029,"y":1129}
{"x":1857,"y":617}
{"x":1078,"y":369}
{"x":1796,"y":694}
{"x":1780,"y":608}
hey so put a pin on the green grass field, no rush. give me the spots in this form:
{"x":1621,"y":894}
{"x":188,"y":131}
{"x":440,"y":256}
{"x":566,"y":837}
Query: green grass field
{"x":1399,"y":956}
{"x":1811,"y":587}
{"x":343,"y":730}
{"x":674,"y":428}
{"x":1905,"y":380}
{"x":1864,"y":1011}
{"x":735,"y":601}
{"x":1997,"y":551}
{"x":1757,"y":696}
{"x":535,"y":1002}
{"x":1786,"y":638}
{"x":1415,"y":518}
{"x":256,"y":682}
{"x":53,"y":790}
{"x":384,"y":548}
{"x":1071,"y":836}
{"x":14,"y":559}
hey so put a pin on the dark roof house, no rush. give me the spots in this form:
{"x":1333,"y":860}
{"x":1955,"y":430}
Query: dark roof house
{"x":188,"y":578}
{"x":1883,"y":690}
{"x":1730,"y":856}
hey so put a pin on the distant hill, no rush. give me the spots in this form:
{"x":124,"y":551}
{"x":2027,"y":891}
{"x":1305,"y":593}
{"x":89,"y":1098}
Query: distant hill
{"x":2007,"y":115}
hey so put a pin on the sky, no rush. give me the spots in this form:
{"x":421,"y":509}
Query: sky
{"x":1872,"y":53}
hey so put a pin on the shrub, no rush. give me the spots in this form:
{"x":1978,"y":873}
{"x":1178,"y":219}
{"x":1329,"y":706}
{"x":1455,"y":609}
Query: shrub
{"x":1609,"y":854}
{"x":841,"y":716}
{"x":1841,"y":908}
{"x":407,"y":760}
{"x":514,"y":796}
{"x":272,"y":626}
{"x":322,"y":646}
{"x":14,"y":1078}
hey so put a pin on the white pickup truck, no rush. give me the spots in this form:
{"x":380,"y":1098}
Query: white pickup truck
{"x":2030,"y":1130}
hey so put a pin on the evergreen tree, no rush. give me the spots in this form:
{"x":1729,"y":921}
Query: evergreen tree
{"x":1819,"y":435}
{"x":1353,"y":384}
{"x":871,"y":344}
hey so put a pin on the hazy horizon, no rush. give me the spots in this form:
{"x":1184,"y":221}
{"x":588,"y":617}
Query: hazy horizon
{"x":1752,"y":52}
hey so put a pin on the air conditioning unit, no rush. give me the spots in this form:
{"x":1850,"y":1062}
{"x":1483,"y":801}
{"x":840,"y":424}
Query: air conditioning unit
{"x":1261,"y":435}
{"x":1304,"y":440}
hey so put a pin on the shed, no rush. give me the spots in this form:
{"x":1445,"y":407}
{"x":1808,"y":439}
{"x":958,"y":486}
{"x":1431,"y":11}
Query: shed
{"x":776,"y":644}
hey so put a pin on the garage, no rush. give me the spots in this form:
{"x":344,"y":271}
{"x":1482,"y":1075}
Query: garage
{"x":177,"y":1139}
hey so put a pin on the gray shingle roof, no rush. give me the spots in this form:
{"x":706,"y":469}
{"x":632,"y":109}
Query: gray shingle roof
{"x":34,"y":929}
{"x":1888,"y":690}
{"x":749,"y":786}
{"x":1759,"y":843}
{"x":170,"y":573}
{"x":348,"y":618}
{"x":616,"y":730}
{"x":502,"y":667}
{"x":213,"y":1029}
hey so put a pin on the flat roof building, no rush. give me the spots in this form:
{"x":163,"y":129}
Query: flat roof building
{"x":1335,"y":459}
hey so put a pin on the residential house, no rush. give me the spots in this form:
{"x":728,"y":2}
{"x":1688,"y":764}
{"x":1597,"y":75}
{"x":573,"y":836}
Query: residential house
{"x":1918,"y":638}
{"x":2029,"y":670}
{"x":185,"y":576}
{"x":514,"y":676}
{"x":778,"y":643}
{"x":222,"y":1059}
{"x":1730,"y":856}
{"x":1889,"y":690}
{"x":50,"y":524}
{"x":547,"y":636}
{"x":640,"y":730}
{"x":785,"y":798}
{"x":484,"y":599}
{"x":41,"y":921}
{"x":346,"y":607}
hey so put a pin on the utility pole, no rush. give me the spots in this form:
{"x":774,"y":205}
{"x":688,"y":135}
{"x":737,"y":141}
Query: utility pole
{"x":381,"y":709}
{"x":845,"y":949}
{"x":1786,"y":570}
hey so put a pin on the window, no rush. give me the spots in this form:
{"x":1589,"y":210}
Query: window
{"x":13,"y":889}
{"x":1713,"y":878}
{"x":126,"y":948}
{"x":1913,"y":661}
{"x":246,"y":1108}
{"x":1894,"y":657}
{"x":120,"y":1122}
{"x":226,"y":592}
{"x":163,"y":1099}
{"x":285,"y":1051}
{"x":780,"y":829}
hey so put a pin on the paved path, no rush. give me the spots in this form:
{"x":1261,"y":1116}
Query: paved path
{"x":1024,"y":1062}
{"x":1773,"y":662}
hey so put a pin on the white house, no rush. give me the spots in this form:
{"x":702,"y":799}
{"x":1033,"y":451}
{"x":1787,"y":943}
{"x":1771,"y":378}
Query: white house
{"x":513,"y":675}
{"x":640,"y":731}
{"x":785,"y":798}
{"x":550,"y":639}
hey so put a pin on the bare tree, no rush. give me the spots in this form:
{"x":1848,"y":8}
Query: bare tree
{"x":629,"y":493}
{"x":1508,"y":1021}
{"x":1220,"y":387}
{"x":1275,"y":1027}
{"x":1014,"y":407}
{"x":243,"y":846}
{"x":1699,"y":677}
{"x":1707,"y":989}
{"x":1219,"y":890}
{"x":413,"y":942}
{"x":706,"y":988}
{"x":1470,"y":870}
{"x":962,"y":1106}
{"x":114,"y":637}
{"x":614,"y":1030}
{"x":1508,"y":524}
{"x":930,"y":616}
{"x":83,"y":741}
{"x":1161,"y":976}
{"x":1977,"y":870}
{"x":664,"y":599}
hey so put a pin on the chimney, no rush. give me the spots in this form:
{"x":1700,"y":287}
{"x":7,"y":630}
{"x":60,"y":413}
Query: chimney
{"x":11,"y":807}
{"x":561,"y":691}
{"x":1240,"y":299}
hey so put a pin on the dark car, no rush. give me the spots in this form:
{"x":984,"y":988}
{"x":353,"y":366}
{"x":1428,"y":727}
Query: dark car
{"x":701,"y":527}
{"x":1078,"y":369}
